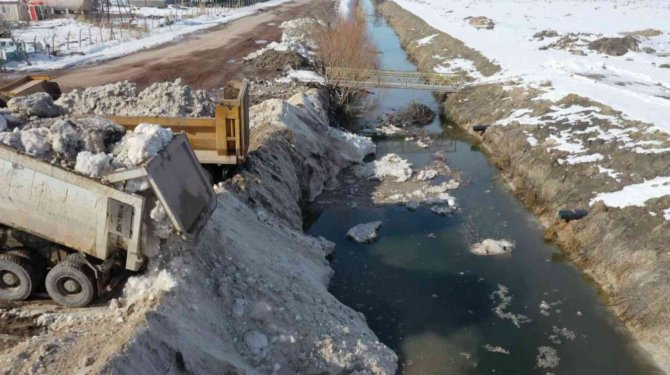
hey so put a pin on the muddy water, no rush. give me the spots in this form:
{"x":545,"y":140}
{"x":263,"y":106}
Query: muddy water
{"x":445,"y":310}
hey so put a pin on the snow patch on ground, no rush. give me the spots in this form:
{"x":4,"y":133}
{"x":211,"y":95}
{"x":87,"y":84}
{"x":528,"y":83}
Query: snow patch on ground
{"x":636,"y":194}
{"x":634,"y":83}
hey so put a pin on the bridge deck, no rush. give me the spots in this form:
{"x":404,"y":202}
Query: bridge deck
{"x":367,"y":78}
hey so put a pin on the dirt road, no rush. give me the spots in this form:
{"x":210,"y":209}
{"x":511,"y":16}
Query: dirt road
{"x":204,"y":60}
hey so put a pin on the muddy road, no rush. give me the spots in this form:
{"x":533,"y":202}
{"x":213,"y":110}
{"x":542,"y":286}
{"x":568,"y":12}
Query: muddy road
{"x":204,"y":60}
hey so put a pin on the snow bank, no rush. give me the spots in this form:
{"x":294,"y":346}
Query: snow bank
{"x":635,"y":83}
{"x":365,"y":233}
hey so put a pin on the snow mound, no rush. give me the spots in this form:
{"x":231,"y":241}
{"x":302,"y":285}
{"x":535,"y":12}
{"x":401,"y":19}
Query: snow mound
{"x":365,"y":233}
{"x":171,"y":99}
{"x":492,"y":247}
{"x":93,"y":165}
{"x":144,"y":142}
{"x":39,"y":104}
{"x":390,"y":165}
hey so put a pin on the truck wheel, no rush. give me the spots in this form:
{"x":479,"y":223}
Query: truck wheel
{"x":37,"y":264}
{"x":17,"y":279}
{"x":71,"y":284}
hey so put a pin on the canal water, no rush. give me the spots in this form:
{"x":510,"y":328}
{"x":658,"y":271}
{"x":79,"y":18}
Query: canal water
{"x":443,"y":309}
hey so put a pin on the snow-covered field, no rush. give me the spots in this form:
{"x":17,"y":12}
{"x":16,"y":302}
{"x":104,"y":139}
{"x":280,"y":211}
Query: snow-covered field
{"x":635,"y":83}
{"x":547,"y":45}
{"x":96,"y":45}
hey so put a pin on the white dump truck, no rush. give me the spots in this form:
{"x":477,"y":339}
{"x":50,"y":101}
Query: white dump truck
{"x":70,"y":233}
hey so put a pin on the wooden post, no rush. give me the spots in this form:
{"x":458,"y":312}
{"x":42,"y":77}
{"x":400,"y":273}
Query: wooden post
{"x":221,"y":134}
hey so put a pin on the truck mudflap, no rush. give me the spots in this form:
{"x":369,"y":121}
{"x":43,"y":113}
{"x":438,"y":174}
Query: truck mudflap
{"x":180,"y":184}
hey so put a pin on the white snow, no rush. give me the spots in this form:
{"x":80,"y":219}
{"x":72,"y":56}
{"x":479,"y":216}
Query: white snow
{"x":365,"y":233}
{"x":144,"y":142}
{"x":390,"y":165}
{"x":634,"y":83}
{"x":636,"y":194}
{"x":302,"y":76}
{"x":505,"y":300}
{"x":492,"y":247}
{"x":610,"y":172}
{"x":93,"y":165}
{"x":666,"y":214}
{"x":547,"y":357}
{"x":456,"y":66}
{"x":426,"y":41}
{"x":582,"y":159}
{"x":59,"y":29}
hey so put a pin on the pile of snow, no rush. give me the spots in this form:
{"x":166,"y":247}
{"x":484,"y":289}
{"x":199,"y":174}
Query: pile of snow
{"x":390,"y":165}
{"x":174,"y":99}
{"x":324,"y":151}
{"x":143,"y":143}
{"x":637,"y":83}
{"x":39,"y":104}
{"x":365,"y":233}
{"x":302,"y":76}
{"x":492,"y":247}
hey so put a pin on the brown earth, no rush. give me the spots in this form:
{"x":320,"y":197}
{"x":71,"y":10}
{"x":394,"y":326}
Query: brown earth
{"x":623,"y":250}
{"x":204,"y":60}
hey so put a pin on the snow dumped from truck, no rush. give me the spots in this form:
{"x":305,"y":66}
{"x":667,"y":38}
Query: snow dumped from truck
{"x":249,"y":296}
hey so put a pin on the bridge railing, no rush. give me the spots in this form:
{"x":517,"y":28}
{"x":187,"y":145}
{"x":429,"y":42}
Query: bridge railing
{"x":392,"y":78}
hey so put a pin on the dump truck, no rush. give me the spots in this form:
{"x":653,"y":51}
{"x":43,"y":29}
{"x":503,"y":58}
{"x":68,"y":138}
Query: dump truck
{"x":27,"y":85}
{"x":219,"y":140}
{"x":72,"y":233}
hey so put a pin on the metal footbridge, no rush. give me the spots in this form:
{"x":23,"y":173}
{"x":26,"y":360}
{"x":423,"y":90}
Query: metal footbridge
{"x":373,"y":78}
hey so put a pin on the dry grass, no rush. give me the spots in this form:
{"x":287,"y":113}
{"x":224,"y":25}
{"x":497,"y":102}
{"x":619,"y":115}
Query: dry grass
{"x":345,"y":43}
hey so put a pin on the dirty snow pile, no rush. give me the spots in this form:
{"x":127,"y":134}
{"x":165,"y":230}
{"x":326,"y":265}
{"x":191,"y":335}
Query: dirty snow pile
{"x":492,"y":247}
{"x":92,"y":146}
{"x":636,"y":82}
{"x":390,"y":165}
{"x":165,"y":99}
{"x":365,"y":233}
{"x":297,"y":129}
{"x":397,"y":183}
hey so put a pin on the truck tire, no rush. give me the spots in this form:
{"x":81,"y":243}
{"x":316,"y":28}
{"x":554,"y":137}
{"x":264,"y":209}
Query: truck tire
{"x":37,"y":264}
{"x":71,"y":284}
{"x":17,"y":279}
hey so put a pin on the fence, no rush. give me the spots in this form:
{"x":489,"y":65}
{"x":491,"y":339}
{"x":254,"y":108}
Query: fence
{"x":140,"y":24}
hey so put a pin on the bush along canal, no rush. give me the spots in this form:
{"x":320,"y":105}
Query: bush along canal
{"x":425,"y":293}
